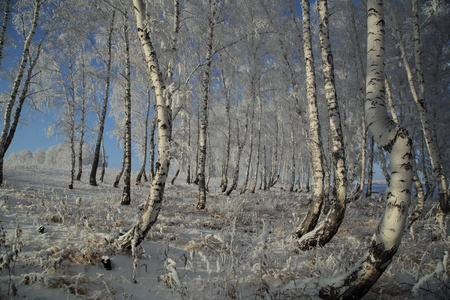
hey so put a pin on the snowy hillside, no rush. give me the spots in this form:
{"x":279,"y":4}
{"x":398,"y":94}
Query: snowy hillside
{"x":53,"y":241}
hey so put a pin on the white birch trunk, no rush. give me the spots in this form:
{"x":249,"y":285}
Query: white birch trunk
{"x":101,"y":125}
{"x":315,"y":140}
{"x":145,"y":142}
{"x":82,"y":118}
{"x":325,"y":231}
{"x":6,"y":10}
{"x":204,"y":116}
{"x":153,"y":205}
{"x":429,"y":134}
{"x":394,"y":139}
{"x":258,"y":149}
{"x":126,"y":194}
{"x":5,"y":133}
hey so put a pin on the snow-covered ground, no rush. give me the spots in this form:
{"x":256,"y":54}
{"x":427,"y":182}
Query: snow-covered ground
{"x":52,"y":242}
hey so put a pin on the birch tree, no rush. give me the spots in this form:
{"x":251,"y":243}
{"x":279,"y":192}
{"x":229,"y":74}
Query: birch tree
{"x":11,"y":116}
{"x":315,"y":140}
{"x":6,"y":10}
{"x":126,"y":195}
{"x":152,"y":207}
{"x":204,"y":106}
{"x":395,"y":140}
{"x":101,"y":125}
{"x":419,"y":99}
{"x":328,"y":228}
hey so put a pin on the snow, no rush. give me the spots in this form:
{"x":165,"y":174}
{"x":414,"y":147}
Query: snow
{"x":241,"y":246}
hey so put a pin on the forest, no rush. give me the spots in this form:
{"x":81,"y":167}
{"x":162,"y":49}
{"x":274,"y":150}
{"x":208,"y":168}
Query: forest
{"x":250,"y":133}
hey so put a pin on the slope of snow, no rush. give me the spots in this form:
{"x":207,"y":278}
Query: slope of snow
{"x":53,"y":240}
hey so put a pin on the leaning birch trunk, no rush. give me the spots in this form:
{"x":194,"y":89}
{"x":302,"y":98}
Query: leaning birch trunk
{"x":152,"y":207}
{"x":145,"y":143}
{"x":126,"y":194}
{"x":395,"y":140}
{"x":5,"y":134}
{"x":101,"y":125}
{"x":429,"y":134}
{"x":240,"y":145}
{"x":204,"y":118}
{"x":122,"y":165}
{"x":315,"y":141}
{"x":325,"y":231}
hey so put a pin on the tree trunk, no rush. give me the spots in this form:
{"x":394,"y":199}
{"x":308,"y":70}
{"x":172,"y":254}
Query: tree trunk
{"x":188,"y":172}
{"x":315,"y":140}
{"x":240,"y":145}
{"x":82,"y":119}
{"x":291,"y":188}
{"x":5,"y":24}
{"x":8,"y":131}
{"x":249,"y":156}
{"x":122,"y":165}
{"x":429,"y":134}
{"x":145,"y":143}
{"x":204,"y":115}
{"x":370,"y":167}
{"x":325,"y":231}
{"x":226,"y":161}
{"x":151,"y":162}
{"x":152,"y":207}
{"x":72,"y":141}
{"x":126,"y":194}
{"x":258,"y":149}
{"x":101,"y":125}
{"x":102,"y":173}
{"x":394,"y":139}
{"x":175,"y":177}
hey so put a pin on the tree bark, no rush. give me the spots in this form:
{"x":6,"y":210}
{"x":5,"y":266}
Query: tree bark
{"x":370,"y":167}
{"x":325,"y":231}
{"x":145,"y":143}
{"x":240,"y":146}
{"x":126,"y":194}
{"x":102,"y":173}
{"x":204,"y":113}
{"x":8,"y":130}
{"x":122,"y":165}
{"x":152,"y":207}
{"x":101,"y":125}
{"x":82,"y":118}
{"x":5,"y":24}
{"x":151,"y":161}
{"x":395,"y":140}
{"x":419,"y":99}
{"x":315,"y":140}
{"x":226,"y":162}
{"x":249,"y":154}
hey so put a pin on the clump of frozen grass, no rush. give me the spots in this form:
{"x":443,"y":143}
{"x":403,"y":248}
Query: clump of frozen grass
{"x":8,"y":258}
{"x":172,"y":279}
{"x":434,"y":285}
